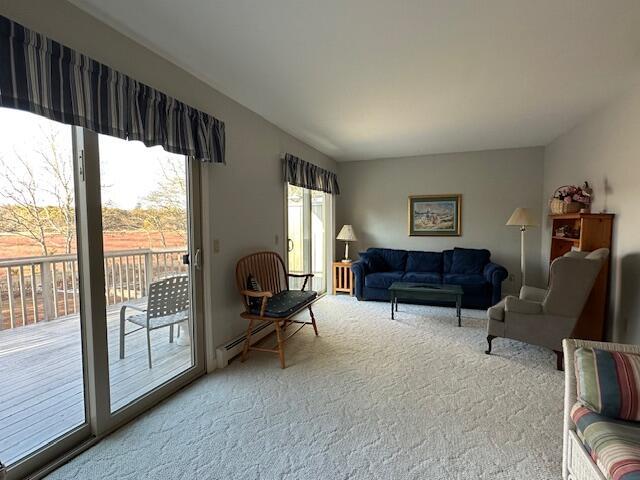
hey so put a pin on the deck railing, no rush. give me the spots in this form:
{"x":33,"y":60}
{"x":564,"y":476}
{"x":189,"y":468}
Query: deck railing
{"x":34,"y":289}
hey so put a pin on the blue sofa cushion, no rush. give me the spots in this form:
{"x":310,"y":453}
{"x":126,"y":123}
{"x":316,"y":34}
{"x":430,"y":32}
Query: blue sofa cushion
{"x":447,"y":258}
{"x":394,"y":259}
{"x":469,"y":260}
{"x":374,"y":261}
{"x":463,"y":279}
{"x":285,"y":303}
{"x":422,"y":277}
{"x":382,"y":279}
{"x":424,"y":262}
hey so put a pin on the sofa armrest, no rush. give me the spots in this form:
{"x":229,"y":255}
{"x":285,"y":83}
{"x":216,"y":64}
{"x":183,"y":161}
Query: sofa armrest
{"x":516,"y":305}
{"x":359,"y":270}
{"x":495,"y":274}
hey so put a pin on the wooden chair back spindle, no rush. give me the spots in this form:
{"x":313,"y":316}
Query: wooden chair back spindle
{"x":267,"y":268}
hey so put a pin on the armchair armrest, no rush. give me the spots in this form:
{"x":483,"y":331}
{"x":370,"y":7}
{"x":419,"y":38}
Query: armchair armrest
{"x":533,"y":294}
{"x":516,"y":305}
{"x":306,"y":277}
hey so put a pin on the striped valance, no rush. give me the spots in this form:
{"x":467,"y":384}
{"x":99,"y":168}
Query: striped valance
{"x":44,"y":77}
{"x":304,"y":174}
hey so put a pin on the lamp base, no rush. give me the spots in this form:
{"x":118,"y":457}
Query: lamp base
{"x":346,"y":260}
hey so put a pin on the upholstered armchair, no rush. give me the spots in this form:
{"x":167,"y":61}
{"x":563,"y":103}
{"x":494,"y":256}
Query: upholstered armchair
{"x":545,"y":317}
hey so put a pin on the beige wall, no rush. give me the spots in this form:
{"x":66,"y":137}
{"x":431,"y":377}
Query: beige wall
{"x":605,"y":150}
{"x":246,"y":197}
{"x":492,"y":183}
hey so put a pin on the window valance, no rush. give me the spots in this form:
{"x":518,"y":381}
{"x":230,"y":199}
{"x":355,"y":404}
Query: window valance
{"x":42,"y":76}
{"x":304,"y":174}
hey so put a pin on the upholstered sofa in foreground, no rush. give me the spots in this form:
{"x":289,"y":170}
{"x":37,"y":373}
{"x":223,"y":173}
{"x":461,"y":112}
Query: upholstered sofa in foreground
{"x":601,"y":413}
{"x":481,"y":280}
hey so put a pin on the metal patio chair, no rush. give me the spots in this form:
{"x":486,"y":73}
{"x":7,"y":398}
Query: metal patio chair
{"x":167,"y":305}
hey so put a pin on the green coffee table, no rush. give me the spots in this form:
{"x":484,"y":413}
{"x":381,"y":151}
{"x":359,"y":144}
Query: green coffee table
{"x":425,"y":291}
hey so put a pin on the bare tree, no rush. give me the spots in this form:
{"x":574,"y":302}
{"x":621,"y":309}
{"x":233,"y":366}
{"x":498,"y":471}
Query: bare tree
{"x":40,"y":197}
{"x":165,"y":207}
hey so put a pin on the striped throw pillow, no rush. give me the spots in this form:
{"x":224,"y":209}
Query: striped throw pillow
{"x":608,"y":382}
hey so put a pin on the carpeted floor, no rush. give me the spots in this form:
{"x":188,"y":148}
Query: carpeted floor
{"x":370,"y":398}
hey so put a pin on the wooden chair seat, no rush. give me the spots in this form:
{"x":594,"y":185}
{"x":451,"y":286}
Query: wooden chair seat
{"x":275,"y":303}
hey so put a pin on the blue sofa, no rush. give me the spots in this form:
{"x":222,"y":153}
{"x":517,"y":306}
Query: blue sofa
{"x":480,"y":279}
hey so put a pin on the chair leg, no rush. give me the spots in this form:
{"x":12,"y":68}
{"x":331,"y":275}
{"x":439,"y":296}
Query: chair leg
{"x":149,"y":346}
{"x":171,"y":333}
{"x":122,"y":325}
{"x":313,"y":321}
{"x":280,"y":345}
{"x":559,"y":360}
{"x":247,"y":342}
{"x":489,"y":340}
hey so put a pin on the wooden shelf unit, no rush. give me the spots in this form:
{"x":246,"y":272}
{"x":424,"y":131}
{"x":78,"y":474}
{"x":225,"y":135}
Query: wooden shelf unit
{"x":342,"y":278}
{"x":590,"y":231}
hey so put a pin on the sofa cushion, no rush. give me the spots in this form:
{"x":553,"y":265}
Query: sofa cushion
{"x":422,"y":277}
{"x":394,"y":259}
{"x":447,"y":257}
{"x":285,"y":303}
{"x":613,"y":444}
{"x":374,"y":262}
{"x":608,"y":382}
{"x":424,"y":262}
{"x":382,"y":279}
{"x":469,"y":260}
{"x":463,"y":279}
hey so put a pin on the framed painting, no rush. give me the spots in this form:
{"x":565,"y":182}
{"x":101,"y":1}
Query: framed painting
{"x":435,"y":215}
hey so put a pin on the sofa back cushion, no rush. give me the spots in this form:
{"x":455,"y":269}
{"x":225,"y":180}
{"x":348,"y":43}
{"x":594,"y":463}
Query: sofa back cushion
{"x":469,"y":260}
{"x":447,"y":258}
{"x":608,"y":382}
{"x":424,"y":262}
{"x":374,"y":262}
{"x":393,"y":260}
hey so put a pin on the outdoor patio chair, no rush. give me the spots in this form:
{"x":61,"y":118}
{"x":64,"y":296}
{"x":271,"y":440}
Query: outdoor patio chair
{"x":167,"y":305}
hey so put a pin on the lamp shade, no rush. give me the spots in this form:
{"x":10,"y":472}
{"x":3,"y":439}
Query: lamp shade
{"x":347,"y":233}
{"x":522,"y":217}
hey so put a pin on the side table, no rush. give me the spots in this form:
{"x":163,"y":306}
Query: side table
{"x":342,"y":278}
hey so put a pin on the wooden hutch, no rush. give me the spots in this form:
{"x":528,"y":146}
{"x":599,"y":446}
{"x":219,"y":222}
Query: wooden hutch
{"x":586,"y":232}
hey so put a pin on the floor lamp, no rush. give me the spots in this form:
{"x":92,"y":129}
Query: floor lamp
{"x":522,"y":217}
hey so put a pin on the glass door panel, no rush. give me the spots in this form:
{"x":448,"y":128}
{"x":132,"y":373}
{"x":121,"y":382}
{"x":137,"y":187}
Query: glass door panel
{"x":297,"y":240}
{"x":147,"y":280}
{"x":42,"y":387}
{"x":318,"y":240}
{"x":307,"y":220}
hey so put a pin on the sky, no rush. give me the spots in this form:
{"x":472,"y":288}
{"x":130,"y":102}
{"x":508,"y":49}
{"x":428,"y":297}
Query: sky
{"x":129,"y":170}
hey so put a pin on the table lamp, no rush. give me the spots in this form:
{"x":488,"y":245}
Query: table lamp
{"x":348,"y":235}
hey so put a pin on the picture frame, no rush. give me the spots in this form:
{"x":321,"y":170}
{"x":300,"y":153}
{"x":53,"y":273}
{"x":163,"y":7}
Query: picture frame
{"x":435,"y":215}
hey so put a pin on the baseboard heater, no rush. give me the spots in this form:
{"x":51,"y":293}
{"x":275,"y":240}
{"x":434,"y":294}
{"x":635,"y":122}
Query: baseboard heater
{"x":224,"y":353}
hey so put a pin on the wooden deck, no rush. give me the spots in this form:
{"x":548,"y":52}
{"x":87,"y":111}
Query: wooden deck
{"x":41,"y":386}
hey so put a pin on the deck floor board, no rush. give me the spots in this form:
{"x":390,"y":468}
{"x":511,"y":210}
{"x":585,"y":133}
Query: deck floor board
{"x":41,"y":384}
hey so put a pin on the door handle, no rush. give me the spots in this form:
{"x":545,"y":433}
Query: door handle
{"x":196,"y":260}
{"x":290,"y":245}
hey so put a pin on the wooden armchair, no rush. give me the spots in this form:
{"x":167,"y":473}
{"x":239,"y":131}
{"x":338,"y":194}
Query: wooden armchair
{"x":274,"y":302}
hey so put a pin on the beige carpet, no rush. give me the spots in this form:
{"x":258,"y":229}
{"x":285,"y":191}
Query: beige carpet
{"x":370,"y":398}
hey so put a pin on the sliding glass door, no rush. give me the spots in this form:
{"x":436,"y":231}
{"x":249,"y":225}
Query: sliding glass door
{"x":308,"y":218}
{"x":42,"y":394}
{"x":100,"y":284}
{"x":145,"y":239}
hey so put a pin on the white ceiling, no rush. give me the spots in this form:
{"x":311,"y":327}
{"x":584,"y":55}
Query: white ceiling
{"x":361,"y":79}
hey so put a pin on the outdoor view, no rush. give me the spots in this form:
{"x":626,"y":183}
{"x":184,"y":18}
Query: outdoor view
{"x":306,"y":218}
{"x":144,"y":217}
